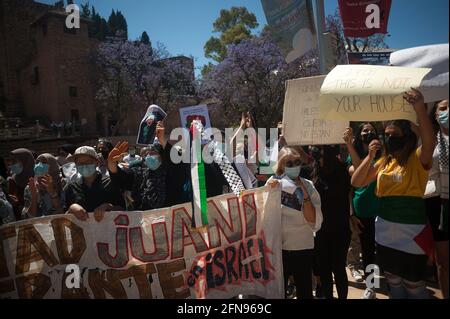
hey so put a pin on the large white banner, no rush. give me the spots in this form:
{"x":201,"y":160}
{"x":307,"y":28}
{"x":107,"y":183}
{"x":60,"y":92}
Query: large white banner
{"x":152,"y":254}
{"x":302,"y":122}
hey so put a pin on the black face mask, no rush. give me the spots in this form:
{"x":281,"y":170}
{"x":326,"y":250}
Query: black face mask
{"x":369,"y":137}
{"x":395,"y":143}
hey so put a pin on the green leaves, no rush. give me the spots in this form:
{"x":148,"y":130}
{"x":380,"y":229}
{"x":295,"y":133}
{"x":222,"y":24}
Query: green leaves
{"x":234,"y":25}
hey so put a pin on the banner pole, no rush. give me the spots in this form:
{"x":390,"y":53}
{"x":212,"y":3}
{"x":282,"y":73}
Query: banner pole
{"x":320,"y":19}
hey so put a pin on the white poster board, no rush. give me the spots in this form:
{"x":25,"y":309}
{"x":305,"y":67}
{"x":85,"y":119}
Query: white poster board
{"x":369,"y":92}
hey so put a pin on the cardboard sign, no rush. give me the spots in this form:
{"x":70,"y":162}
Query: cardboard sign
{"x":302,"y":124}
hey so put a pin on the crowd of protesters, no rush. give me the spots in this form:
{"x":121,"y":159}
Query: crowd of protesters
{"x":381,"y":195}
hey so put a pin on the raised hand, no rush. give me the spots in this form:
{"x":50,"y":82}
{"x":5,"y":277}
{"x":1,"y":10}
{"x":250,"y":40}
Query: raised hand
{"x":160,"y":133}
{"x":415,"y":98}
{"x":118,"y":152}
{"x":348,"y":136}
{"x":374,"y":147}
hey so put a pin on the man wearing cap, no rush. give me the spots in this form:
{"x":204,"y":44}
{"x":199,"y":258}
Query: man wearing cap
{"x":93,"y":192}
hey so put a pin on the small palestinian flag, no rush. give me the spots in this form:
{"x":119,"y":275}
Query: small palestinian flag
{"x":199,"y":200}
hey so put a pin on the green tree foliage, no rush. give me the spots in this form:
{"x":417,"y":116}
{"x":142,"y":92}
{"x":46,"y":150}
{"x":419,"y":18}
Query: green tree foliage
{"x":85,"y":10}
{"x":233,"y":26}
{"x":145,"y":38}
{"x":117,"y":24}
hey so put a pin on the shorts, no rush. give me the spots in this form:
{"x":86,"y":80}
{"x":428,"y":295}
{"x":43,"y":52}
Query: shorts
{"x":433,"y":207}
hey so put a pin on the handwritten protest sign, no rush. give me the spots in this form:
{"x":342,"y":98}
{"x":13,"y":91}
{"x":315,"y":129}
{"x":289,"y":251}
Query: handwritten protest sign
{"x":153,"y":254}
{"x":369,"y":92}
{"x":301,"y":115}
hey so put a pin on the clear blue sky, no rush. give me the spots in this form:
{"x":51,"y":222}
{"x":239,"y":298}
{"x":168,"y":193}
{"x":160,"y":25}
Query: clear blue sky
{"x":185,"y":25}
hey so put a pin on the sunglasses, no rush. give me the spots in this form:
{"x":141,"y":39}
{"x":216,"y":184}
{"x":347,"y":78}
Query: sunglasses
{"x":293,"y":163}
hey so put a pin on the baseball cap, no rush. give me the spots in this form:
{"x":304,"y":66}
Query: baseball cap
{"x":85,"y":150}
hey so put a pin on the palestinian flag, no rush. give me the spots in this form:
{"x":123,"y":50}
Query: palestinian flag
{"x":402,"y":225}
{"x":199,"y":199}
{"x":403,"y":236}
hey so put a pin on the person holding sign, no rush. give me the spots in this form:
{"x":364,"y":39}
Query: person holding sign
{"x":365,"y":202}
{"x":402,"y":236}
{"x":301,"y":216}
{"x":147,"y":183}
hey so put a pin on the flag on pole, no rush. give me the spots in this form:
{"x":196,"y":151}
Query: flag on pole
{"x":361,"y":19}
{"x":199,"y":200}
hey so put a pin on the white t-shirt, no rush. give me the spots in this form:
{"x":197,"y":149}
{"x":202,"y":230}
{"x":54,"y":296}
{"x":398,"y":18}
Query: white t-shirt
{"x":297,"y":233}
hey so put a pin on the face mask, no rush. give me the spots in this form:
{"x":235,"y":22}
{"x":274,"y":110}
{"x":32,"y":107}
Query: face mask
{"x":16,"y":168}
{"x":132,"y":153}
{"x":40,"y":169}
{"x":369,"y":137}
{"x":152,"y":162}
{"x":395,"y":143}
{"x":443,"y":118}
{"x":292,"y":172}
{"x":86,"y":170}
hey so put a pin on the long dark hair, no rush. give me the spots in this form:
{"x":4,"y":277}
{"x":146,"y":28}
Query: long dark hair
{"x":330,"y":163}
{"x":358,"y":144}
{"x":410,"y":145}
{"x":432,"y":116}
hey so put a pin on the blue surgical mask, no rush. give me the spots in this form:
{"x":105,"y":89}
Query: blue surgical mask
{"x":40,"y":169}
{"x":152,"y":162}
{"x":16,"y":168}
{"x":292,"y":172}
{"x":86,"y":170}
{"x":443,"y":118}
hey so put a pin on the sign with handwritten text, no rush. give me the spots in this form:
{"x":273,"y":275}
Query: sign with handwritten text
{"x":151,"y":254}
{"x":369,"y":92}
{"x":302,"y":124}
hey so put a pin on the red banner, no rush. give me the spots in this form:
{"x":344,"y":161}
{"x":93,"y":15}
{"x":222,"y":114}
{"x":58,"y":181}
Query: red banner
{"x":362,"y":19}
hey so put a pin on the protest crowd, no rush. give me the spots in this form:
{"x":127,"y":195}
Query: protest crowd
{"x":370,"y":197}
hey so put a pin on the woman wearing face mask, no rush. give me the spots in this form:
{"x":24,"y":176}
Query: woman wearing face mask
{"x":403,"y":240}
{"x":22,"y":168}
{"x":43,"y":195}
{"x":436,"y":193}
{"x":146,"y":182}
{"x":332,"y":241}
{"x":301,"y":216}
{"x":365,"y":202}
